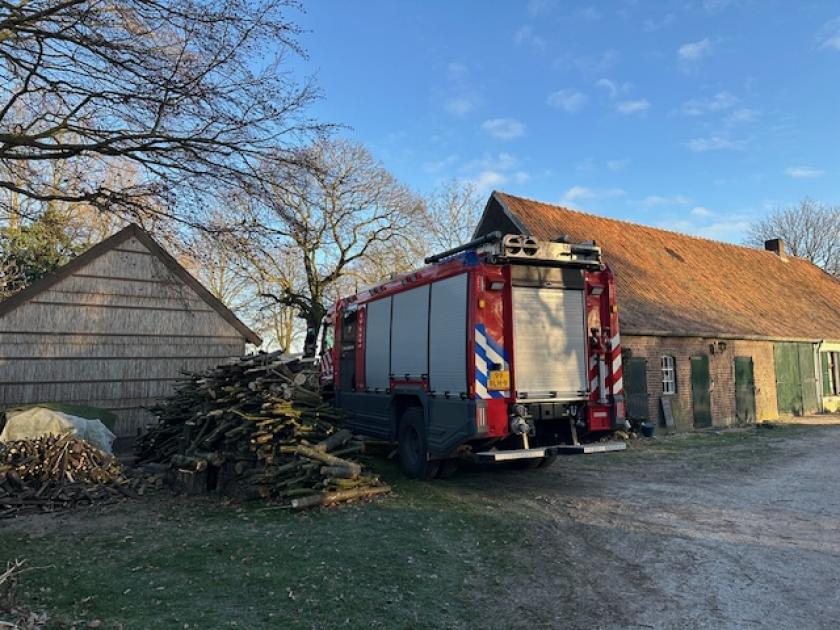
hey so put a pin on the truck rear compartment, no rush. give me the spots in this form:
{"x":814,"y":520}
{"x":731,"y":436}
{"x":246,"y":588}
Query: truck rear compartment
{"x":549,"y":347}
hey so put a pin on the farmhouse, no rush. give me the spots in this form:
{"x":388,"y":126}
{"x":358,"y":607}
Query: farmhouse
{"x":713,"y":334}
{"x":114,"y":328}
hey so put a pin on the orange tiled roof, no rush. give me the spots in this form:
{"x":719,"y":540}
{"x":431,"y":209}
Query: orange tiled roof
{"x":672,"y":283}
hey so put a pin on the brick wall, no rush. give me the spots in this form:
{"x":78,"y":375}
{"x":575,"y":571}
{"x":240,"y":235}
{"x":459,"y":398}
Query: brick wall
{"x":721,"y":376}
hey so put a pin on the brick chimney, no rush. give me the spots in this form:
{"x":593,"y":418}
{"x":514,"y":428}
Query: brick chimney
{"x":777,"y":246}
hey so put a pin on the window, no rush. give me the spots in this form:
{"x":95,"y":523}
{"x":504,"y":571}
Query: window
{"x":831,"y":373}
{"x":669,"y":376}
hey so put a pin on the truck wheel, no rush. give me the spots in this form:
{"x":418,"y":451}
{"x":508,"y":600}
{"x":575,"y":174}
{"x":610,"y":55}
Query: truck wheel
{"x":413,"y":450}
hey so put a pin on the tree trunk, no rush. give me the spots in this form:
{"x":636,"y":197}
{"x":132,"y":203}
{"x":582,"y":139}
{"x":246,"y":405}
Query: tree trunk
{"x":313,"y":328}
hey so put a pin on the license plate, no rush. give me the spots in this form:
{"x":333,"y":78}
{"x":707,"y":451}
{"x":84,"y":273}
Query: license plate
{"x":498,"y":379}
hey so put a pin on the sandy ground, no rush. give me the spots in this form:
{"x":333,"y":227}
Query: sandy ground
{"x":741,"y":537}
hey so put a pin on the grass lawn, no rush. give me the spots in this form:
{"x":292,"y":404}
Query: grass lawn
{"x":421,"y":558}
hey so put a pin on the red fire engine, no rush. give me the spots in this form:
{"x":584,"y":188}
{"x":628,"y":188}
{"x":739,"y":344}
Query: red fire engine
{"x":503,"y":349}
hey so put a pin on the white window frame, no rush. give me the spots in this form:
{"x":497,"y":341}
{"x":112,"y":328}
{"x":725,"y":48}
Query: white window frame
{"x":668,"y":365}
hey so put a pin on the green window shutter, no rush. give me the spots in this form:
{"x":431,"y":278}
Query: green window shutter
{"x":827,"y":376}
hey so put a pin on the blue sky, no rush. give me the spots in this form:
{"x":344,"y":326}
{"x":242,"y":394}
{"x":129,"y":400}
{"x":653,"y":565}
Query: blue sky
{"x":697,"y":116}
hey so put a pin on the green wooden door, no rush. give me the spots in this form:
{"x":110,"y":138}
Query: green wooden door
{"x":744,"y":389}
{"x":796,"y":378}
{"x":635,"y":388}
{"x":788,"y":382}
{"x":808,"y":378}
{"x":700,"y":398}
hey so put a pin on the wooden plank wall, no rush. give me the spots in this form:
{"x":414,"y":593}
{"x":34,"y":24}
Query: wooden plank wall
{"x":116,"y":334}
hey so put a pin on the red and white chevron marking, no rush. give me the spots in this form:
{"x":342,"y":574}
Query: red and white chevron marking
{"x":616,"y":373}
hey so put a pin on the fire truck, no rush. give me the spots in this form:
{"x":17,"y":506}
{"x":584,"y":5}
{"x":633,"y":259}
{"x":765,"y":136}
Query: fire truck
{"x":504,"y":349}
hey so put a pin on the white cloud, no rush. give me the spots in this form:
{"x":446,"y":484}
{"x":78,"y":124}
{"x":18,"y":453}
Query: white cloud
{"x":492,"y":171}
{"x":666,"y":200}
{"x":829,"y":35}
{"x":504,"y":128}
{"x":801,"y":172}
{"x":488,"y":162}
{"x":632,"y":107}
{"x":613,"y":88}
{"x":460,"y":105}
{"x":525,"y":35}
{"x":730,"y":230}
{"x":459,"y":99}
{"x":487,"y":181}
{"x":742,"y":115}
{"x":695,"y":51}
{"x":698,"y":107}
{"x":617,"y":165}
{"x":715,"y":143}
{"x":700,"y":211}
{"x":538,"y":7}
{"x":650,"y":25}
{"x":586,"y":165}
{"x":583,"y":193}
{"x":568,"y":99}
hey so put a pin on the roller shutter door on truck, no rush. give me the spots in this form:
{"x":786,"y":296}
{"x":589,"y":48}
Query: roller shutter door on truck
{"x":549,"y":337}
{"x":378,"y":344}
{"x":448,"y":335}
{"x":410,"y":334}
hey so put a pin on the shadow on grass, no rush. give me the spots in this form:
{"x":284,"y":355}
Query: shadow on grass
{"x":426,"y":557}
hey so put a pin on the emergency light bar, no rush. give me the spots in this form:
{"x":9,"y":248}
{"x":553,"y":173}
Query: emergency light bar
{"x":521,"y":247}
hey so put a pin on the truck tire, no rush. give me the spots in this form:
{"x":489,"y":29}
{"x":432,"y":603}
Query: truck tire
{"x":413,"y":448}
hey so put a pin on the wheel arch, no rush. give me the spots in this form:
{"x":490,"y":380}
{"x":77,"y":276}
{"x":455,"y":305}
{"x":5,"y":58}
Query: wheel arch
{"x":402,"y":401}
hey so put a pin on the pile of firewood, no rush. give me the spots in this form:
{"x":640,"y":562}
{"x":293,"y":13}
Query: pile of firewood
{"x":257,"y":428}
{"x":55,"y":472}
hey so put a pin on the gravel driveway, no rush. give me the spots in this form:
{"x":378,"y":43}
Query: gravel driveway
{"x":731,"y":530}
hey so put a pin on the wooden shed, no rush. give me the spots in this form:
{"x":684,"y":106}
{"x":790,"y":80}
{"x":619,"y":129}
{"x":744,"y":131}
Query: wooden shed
{"x":114,"y":328}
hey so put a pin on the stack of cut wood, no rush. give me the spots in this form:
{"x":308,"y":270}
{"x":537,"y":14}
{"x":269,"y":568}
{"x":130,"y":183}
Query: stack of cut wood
{"x":54,"y":472}
{"x":258,"y":428}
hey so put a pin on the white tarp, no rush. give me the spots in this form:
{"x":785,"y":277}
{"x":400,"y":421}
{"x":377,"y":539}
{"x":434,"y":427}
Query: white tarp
{"x":27,"y":424}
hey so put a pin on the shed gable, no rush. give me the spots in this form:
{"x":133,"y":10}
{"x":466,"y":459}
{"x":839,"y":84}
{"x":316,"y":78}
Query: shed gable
{"x":126,"y":290}
{"x":115,"y":328}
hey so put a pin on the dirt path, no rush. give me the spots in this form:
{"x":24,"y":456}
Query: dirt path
{"x":734,"y":537}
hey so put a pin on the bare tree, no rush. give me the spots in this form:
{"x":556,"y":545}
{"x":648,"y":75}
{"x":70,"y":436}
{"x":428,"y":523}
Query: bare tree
{"x":172,"y":92}
{"x":450,"y":215}
{"x":811,"y":230}
{"x":453,"y":212}
{"x":215,"y":262}
{"x":328,"y":218}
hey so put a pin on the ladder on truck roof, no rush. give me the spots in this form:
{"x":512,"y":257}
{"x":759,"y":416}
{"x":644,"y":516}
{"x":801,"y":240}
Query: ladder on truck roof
{"x":522,"y":248}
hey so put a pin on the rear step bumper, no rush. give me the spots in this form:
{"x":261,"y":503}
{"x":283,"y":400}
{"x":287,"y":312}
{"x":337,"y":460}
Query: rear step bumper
{"x":560,"y":449}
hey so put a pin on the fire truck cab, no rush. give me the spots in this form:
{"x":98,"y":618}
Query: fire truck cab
{"x":506,"y":348}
